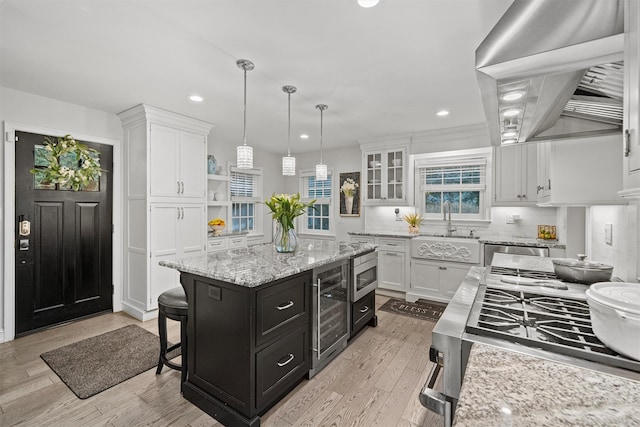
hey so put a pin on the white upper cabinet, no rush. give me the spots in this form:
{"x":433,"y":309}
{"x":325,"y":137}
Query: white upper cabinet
{"x":580,"y":172}
{"x":385,"y":173}
{"x":631,"y":125}
{"x":515,"y":175}
{"x":177,"y":162}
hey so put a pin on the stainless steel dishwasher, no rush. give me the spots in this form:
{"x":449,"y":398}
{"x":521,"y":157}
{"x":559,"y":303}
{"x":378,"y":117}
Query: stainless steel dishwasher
{"x":490,"y":249}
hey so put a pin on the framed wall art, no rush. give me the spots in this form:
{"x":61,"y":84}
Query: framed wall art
{"x":350,"y":194}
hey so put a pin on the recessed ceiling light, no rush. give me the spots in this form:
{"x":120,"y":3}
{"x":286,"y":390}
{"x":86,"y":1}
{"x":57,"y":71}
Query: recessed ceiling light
{"x":509,"y":141}
{"x":512,"y":96}
{"x":442,"y":113}
{"x":196,"y":98}
{"x":509,"y":133}
{"x":368,"y":3}
{"x":511,"y":113}
{"x":304,"y":136}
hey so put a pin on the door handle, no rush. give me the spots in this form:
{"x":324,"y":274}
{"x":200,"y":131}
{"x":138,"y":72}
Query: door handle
{"x":627,"y":142}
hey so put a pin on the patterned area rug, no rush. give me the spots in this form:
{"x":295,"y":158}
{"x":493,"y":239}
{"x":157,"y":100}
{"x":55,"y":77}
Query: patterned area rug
{"x":422,"y":309}
{"x":95,"y":364}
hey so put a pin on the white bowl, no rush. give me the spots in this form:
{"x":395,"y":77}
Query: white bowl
{"x":615,"y":316}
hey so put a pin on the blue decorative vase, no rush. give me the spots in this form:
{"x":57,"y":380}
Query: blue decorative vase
{"x":212,"y":164}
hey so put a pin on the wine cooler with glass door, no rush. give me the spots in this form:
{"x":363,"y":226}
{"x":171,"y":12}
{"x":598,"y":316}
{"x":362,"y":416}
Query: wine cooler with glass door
{"x":331,"y":311}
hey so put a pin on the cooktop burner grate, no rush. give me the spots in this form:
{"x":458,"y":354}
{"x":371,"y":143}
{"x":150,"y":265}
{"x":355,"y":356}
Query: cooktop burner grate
{"x":555,"y":323}
{"x":529,"y":274}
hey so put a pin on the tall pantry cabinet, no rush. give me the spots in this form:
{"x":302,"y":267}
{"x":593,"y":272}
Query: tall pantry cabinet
{"x":165,"y":185}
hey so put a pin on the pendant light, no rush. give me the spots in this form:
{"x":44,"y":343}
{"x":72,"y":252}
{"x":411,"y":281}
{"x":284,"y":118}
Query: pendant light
{"x":321,"y":168}
{"x":244,"y":153}
{"x":289,"y":162}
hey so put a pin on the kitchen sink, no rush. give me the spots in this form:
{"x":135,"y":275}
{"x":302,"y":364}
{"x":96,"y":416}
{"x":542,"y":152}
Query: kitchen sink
{"x":442,"y":248}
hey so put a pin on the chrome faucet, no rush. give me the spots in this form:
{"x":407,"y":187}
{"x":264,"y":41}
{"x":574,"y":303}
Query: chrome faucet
{"x":447,"y":207}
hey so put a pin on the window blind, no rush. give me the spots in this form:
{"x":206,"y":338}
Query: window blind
{"x":244,"y":186}
{"x":453,"y":176}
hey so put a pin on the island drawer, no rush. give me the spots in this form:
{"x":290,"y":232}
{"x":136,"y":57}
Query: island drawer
{"x":280,"y":365}
{"x":362,"y":311}
{"x":389,"y":244}
{"x":281,"y":307}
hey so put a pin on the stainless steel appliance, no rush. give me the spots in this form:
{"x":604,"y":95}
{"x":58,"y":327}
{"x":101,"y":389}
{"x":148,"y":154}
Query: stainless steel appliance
{"x":547,"y":322}
{"x":330,"y":316}
{"x":365,"y":275}
{"x":490,"y":249}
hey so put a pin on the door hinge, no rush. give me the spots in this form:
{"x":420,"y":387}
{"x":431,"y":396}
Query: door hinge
{"x":113,"y":289}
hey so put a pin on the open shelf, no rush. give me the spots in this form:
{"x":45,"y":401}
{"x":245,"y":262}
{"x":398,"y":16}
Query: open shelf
{"x":214,"y":177}
{"x":216,"y":203}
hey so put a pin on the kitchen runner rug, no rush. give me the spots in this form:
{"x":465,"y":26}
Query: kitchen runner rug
{"x":421,"y":309}
{"x":95,"y":364}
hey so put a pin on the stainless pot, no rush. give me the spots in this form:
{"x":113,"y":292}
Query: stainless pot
{"x":581,"y":271}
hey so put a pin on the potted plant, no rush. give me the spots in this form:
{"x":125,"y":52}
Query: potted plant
{"x":284,"y":209}
{"x":414,"y":220}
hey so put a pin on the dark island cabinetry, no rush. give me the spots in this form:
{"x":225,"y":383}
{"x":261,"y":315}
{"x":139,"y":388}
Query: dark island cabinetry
{"x":247,"y":346}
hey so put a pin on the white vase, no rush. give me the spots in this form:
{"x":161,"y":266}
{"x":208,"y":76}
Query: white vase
{"x":348,"y":205}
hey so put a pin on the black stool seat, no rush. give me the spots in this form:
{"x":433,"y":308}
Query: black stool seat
{"x":172,"y":304}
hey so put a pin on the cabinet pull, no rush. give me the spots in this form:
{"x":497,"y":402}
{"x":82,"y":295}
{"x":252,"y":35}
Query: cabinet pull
{"x":285,"y":306}
{"x":181,"y":187}
{"x":364,"y":309}
{"x":182,"y":213}
{"x":391,"y":253}
{"x":178,"y":182}
{"x":178,"y":212}
{"x":290,"y":357}
{"x":392,"y":244}
{"x":627,"y":142}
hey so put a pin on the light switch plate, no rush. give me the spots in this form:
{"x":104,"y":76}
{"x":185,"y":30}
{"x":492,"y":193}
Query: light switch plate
{"x":608,"y":234}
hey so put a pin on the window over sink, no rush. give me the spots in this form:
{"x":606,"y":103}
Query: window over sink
{"x":459,"y":180}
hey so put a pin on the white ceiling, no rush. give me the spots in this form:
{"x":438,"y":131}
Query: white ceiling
{"x":382,"y":71}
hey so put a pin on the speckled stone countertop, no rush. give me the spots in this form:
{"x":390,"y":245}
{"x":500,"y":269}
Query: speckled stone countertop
{"x":504,"y":388}
{"x":256,"y":265}
{"x":522,"y":241}
{"x":496,"y":240}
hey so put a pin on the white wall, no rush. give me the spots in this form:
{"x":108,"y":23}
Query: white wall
{"x":37,"y":111}
{"x":338,"y":161}
{"x":623,"y":252}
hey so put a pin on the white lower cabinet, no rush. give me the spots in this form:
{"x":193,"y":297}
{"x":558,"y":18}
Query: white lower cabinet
{"x":435,"y":280}
{"x":391,"y":274}
{"x":226,"y":242}
{"x":393,"y":261}
{"x":177,"y":230}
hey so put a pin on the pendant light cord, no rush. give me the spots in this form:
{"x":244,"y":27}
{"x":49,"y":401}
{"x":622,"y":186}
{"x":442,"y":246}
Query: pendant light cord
{"x":244,"y":132}
{"x":289,"y":118}
{"x":321,"y":114}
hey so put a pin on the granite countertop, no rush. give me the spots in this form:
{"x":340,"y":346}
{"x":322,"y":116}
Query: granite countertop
{"x":497,"y":240}
{"x":227,"y":234}
{"x":505,"y":388}
{"x":260,"y":264}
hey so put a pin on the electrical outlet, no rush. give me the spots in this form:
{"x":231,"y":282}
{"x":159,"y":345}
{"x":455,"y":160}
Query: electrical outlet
{"x":608,"y":234}
{"x":510,"y":219}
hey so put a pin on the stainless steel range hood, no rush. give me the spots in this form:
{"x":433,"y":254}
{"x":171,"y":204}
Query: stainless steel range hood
{"x":565,"y":60}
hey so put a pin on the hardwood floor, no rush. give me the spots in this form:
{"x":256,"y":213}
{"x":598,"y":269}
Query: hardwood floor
{"x":374,"y":382}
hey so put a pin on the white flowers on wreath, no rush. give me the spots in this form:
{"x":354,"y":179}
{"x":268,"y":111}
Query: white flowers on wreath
{"x":87,"y":160}
{"x":348,"y":187}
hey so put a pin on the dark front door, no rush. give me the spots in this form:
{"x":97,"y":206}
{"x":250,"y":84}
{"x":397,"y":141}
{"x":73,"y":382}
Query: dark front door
{"x":64,"y":247}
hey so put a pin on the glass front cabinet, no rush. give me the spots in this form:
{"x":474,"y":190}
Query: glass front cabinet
{"x":385,"y":176}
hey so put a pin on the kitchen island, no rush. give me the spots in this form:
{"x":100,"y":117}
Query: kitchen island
{"x":249,"y":324}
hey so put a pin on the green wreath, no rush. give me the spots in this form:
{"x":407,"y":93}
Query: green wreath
{"x":86,"y":158}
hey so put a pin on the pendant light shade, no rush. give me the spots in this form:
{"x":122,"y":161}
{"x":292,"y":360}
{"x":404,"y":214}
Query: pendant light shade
{"x":321,"y":168}
{"x":289,"y":162}
{"x":244,"y":153}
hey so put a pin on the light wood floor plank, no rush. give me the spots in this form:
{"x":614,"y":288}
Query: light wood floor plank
{"x":375,"y":381}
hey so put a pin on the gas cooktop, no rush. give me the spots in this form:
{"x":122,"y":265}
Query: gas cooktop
{"x":556,"y":323}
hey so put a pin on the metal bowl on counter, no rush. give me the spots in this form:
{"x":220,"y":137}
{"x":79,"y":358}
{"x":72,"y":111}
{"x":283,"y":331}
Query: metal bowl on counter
{"x":581,"y":271}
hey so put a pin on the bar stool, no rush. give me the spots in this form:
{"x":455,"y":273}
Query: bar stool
{"x":172,"y":304}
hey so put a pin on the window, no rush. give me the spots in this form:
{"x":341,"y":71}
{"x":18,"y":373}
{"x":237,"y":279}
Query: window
{"x":460,"y":182}
{"x":317,"y":219}
{"x":245,"y":189}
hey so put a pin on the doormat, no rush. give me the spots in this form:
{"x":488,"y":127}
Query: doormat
{"x":95,"y":364}
{"x":421,"y":309}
